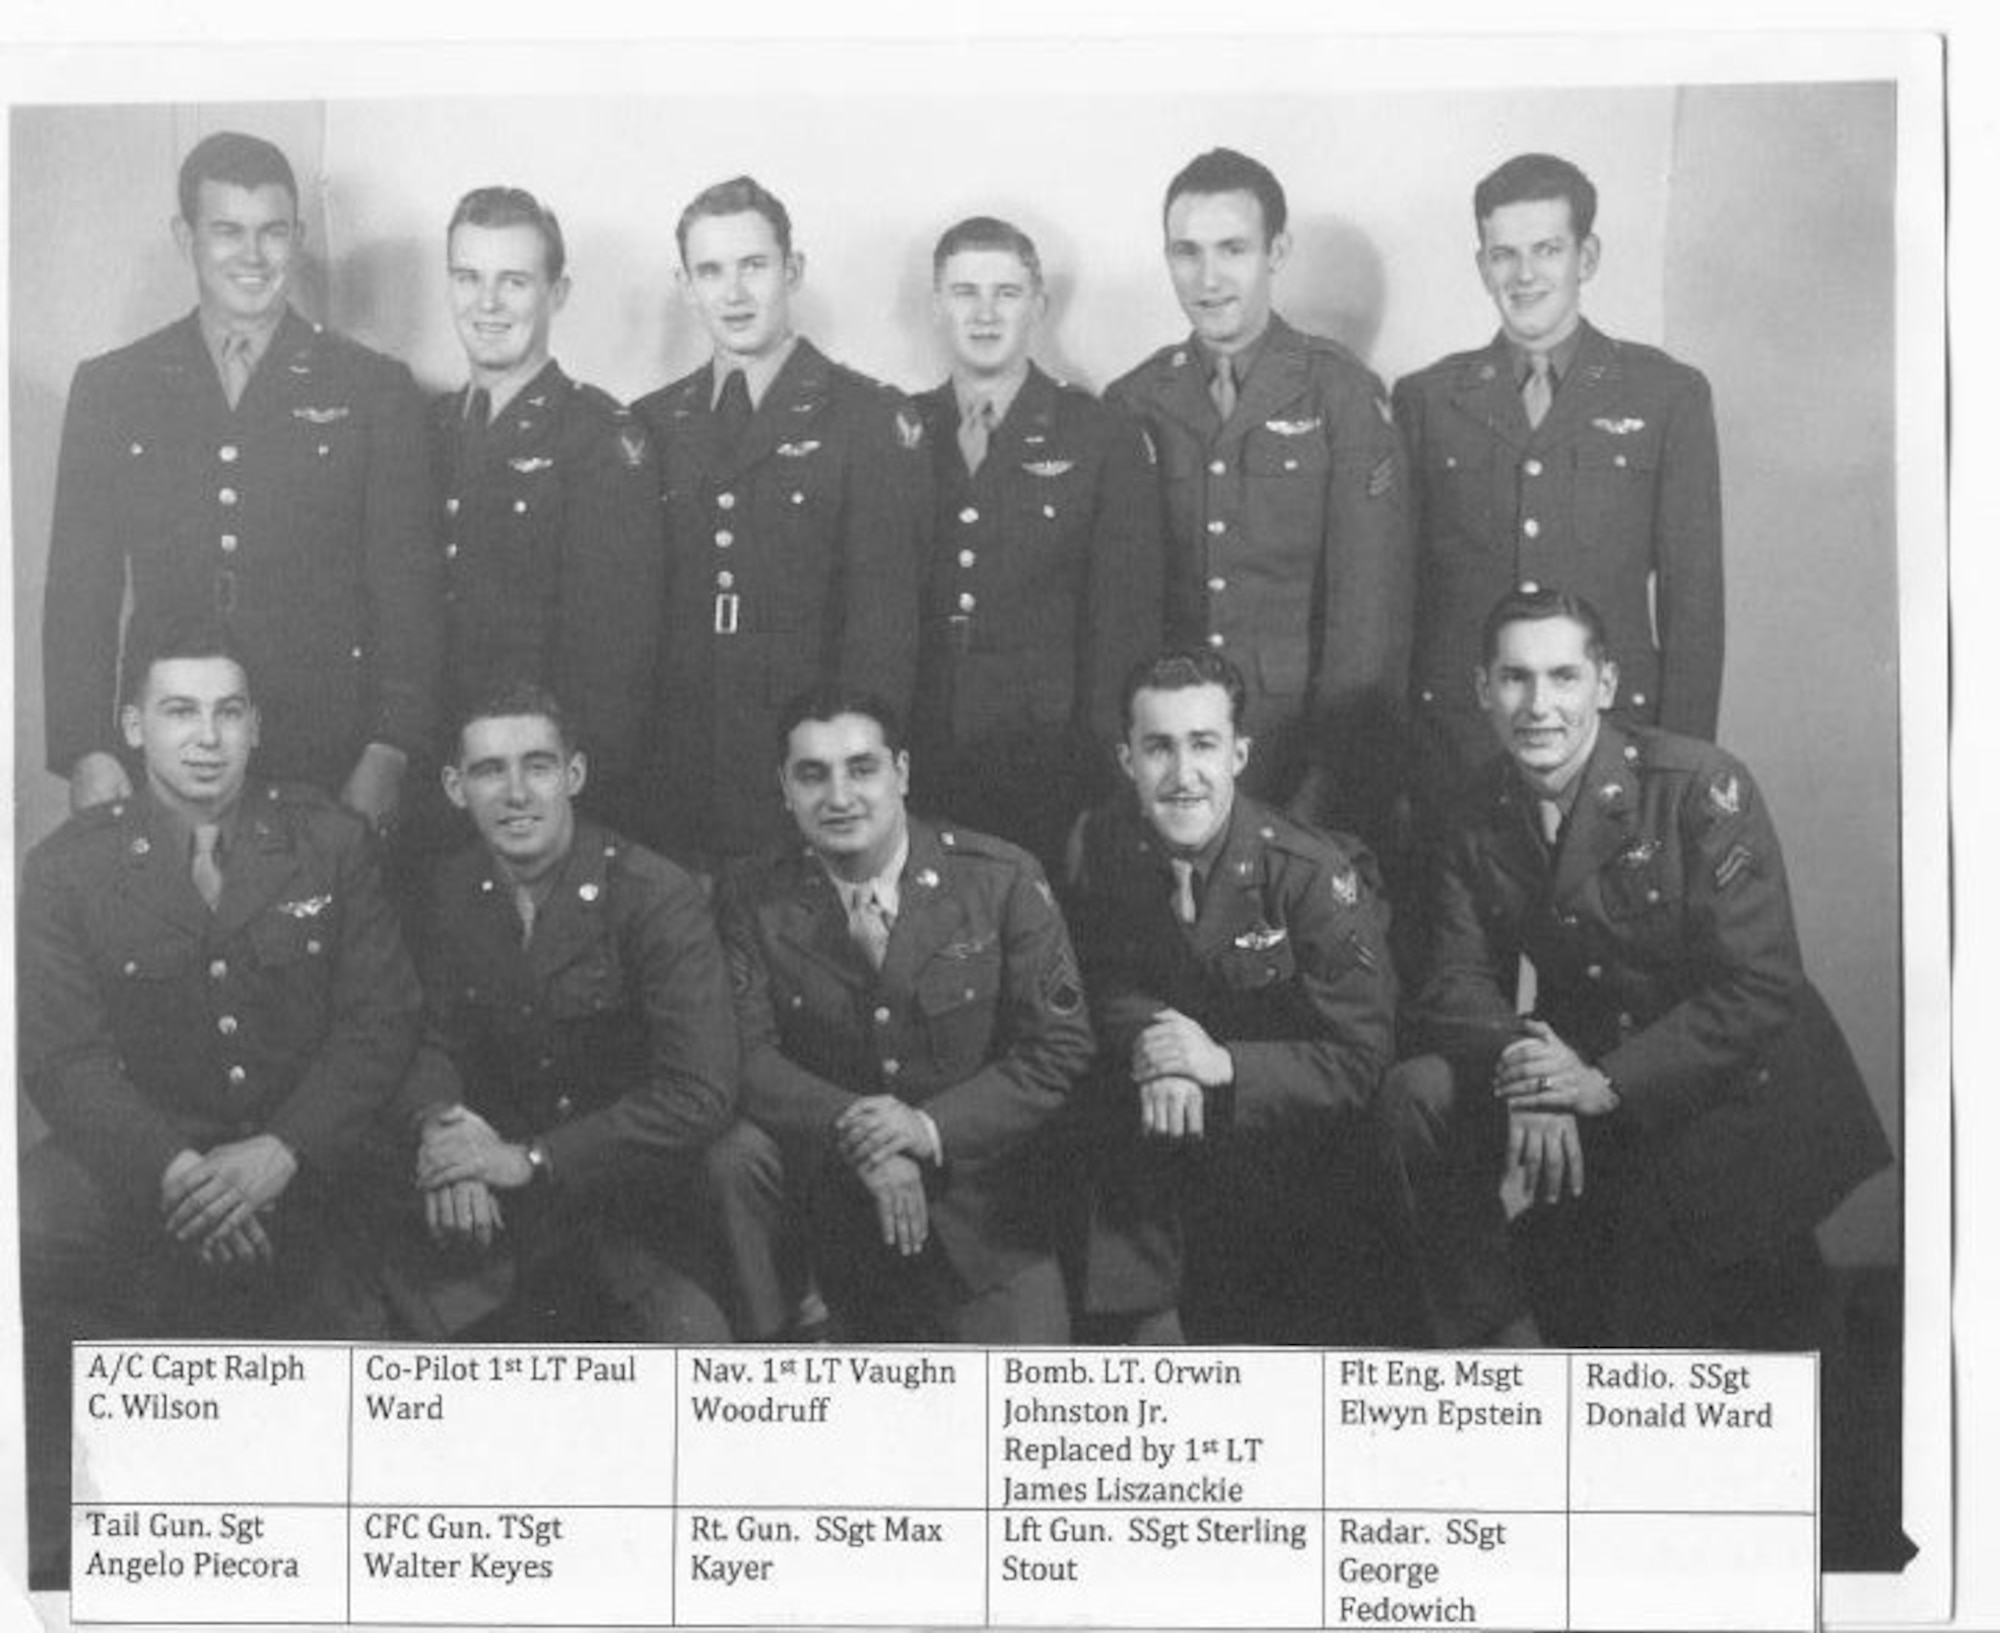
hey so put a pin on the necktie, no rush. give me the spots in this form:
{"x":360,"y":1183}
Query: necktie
{"x":868,"y":923}
{"x":1186,"y":909}
{"x":1222,"y":388}
{"x":478,"y":414}
{"x":235,"y":367}
{"x":974,"y":432}
{"x":1551,"y":814}
{"x":1539,"y":389}
{"x":732,"y":412}
{"x":524,"y":907}
{"x":206,"y":870}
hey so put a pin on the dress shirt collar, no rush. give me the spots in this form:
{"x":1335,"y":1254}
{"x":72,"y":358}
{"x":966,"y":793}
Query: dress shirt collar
{"x":1000,"y":392}
{"x":758,"y":372}
{"x":215,"y":336}
{"x":886,"y":885}
{"x":1561,"y":355}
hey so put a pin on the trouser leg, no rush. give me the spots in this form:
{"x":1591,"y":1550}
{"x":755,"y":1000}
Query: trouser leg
{"x":745,"y":1181}
{"x":1444,"y":1152}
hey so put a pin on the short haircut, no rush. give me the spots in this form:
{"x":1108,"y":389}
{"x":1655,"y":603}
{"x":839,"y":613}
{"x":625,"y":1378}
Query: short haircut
{"x":1532,"y":178}
{"x":1535,"y":606}
{"x":512,"y":207}
{"x":828,"y":701}
{"x":234,"y":160}
{"x":509,"y":700}
{"x":1179,"y":669}
{"x":1224,"y":170}
{"x":986,"y":232}
{"x":734,"y":197}
{"x":187,"y":638}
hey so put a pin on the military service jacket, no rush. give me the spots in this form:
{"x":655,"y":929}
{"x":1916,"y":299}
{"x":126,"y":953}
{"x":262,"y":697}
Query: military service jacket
{"x":1616,"y":497}
{"x":552,"y":563}
{"x":1665,"y":955}
{"x":608,"y":1037}
{"x":300,"y":519}
{"x":151,"y":1025}
{"x":976,"y":1016}
{"x":1286,"y":965}
{"x":1043,"y":585}
{"x":1287,"y":548}
{"x":793,"y":560}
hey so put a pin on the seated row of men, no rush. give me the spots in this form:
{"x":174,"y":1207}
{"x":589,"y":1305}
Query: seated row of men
{"x":890,"y":1077}
{"x":990,"y":555}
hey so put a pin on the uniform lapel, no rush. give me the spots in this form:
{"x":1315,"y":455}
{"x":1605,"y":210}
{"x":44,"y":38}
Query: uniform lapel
{"x":926,"y":915}
{"x":566,"y":924}
{"x":809,"y":917}
{"x":1486,"y":391}
{"x":286,"y":373}
{"x":1600,"y":822}
{"x":786,"y":414}
{"x":1184,"y":397}
{"x":259,"y":866}
{"x":1279,"y":379}
{"x":523,"y":422}
{"x":1230,"y":902}
{"x":155,"y":877}
{"x":1589,"y":386}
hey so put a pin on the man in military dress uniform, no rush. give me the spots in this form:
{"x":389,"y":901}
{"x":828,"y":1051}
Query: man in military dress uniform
{"x":1239,"y":980}
{"x":1557,"y":455}
{"x":579,"y":1058}
{"x":550,"y":529}
{"x":1285,"y":509}
{"x":214,"y":1004}
{"x":1681,"y":1108}
{"x":911,"y":1018}
{"x":1044,"y":579}
{"x":245,"y":465}
{"x":796,"y":494}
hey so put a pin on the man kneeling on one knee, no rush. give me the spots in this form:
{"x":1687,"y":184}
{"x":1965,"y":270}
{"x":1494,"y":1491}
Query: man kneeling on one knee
{"x":1680,"y":1109}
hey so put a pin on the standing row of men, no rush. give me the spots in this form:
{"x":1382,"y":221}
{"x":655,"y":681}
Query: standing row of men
{"x":990,"y":558}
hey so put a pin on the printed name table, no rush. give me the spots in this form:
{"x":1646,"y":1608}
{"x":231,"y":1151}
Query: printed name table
{"x":360,"y":1485}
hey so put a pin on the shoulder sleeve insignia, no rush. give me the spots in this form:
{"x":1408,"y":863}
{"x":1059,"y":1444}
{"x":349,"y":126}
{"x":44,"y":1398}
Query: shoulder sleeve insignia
{"x":1261,"y":938}
{"x":1725,"y":795}
{"x":1295,"y":428}
{"x":1048,"y":467}
{"x":909,"y":429}
{"x":1618,"y":427}
{"x":1382,"y":477}
{"x":1062,"y":984}
{"x":1734,"y":864}
{"x":632,"y":446}
{"x":528,"y":464}
{"x":321,"y":416}
{"x":1346,"y":887}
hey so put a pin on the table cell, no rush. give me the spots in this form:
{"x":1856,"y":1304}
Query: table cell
{"x":862,"y":1428}
{"x":1694,"y":1572}
{"x":1133,"y":1428}
{"x":1481,"y":1429}
{"x":541,"y":1426}
{"x":1653,"y":1431}
{"x":207,"y":1564}
{"x":514,"y":1567}
{"x":241,"y":1423}
{"x":1138,"y":1568}
{"x":832,"y":1567}
{"x":1453,"y":1569}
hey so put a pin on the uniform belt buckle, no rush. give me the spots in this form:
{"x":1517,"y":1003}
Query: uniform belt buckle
{"x":727,"y":603}
{"x":225,"y":591}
